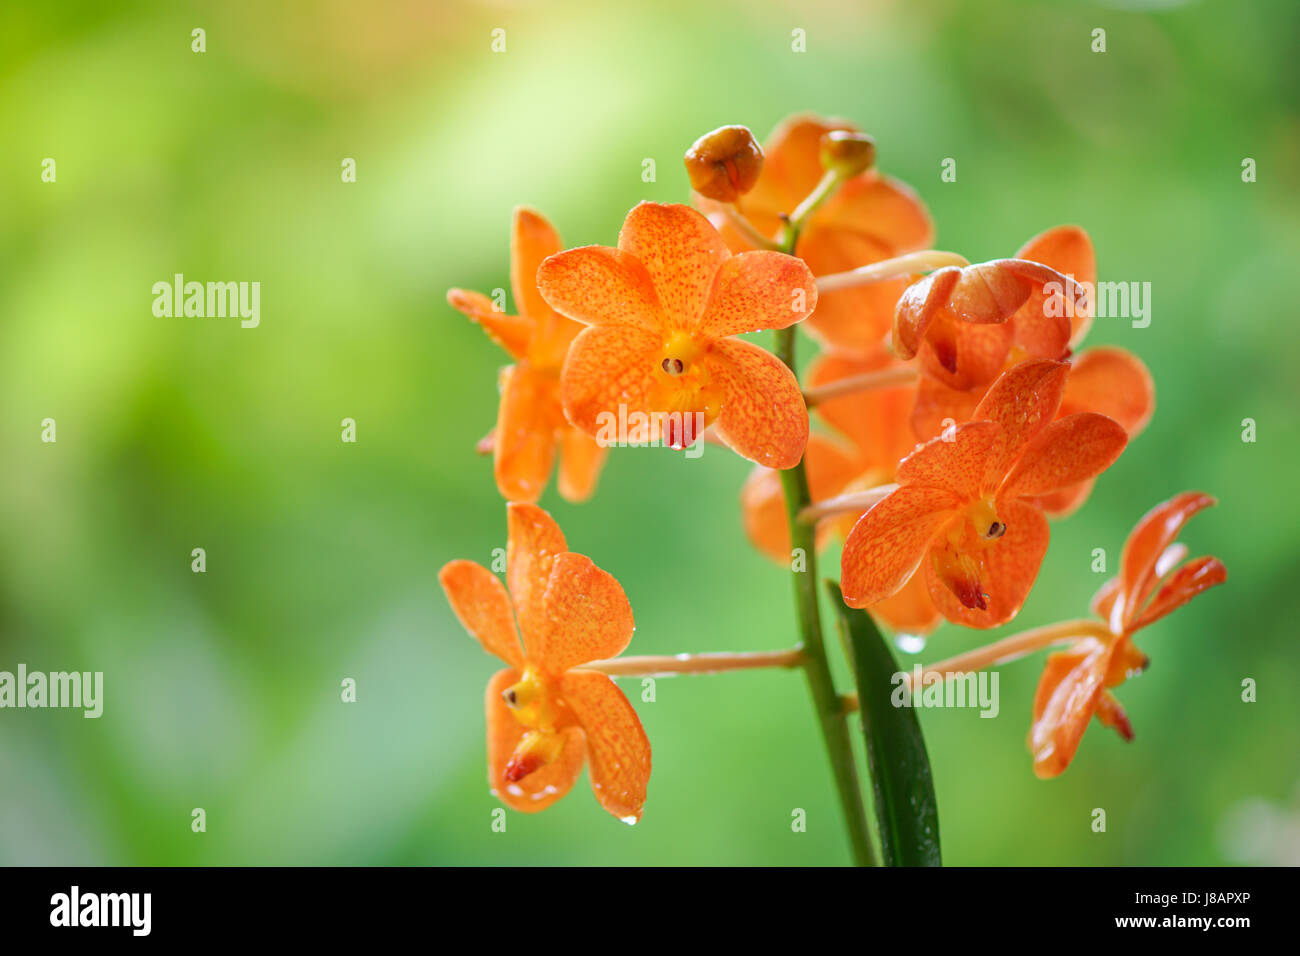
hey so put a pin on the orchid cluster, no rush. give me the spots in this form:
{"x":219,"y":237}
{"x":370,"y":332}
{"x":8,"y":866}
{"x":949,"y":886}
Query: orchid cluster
{"x":951,"y":415}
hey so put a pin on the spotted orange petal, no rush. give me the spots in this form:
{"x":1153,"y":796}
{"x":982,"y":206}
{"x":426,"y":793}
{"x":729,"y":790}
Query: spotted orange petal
{"x":938,"y":407}
{"x":1009,"y":566}
{"x":758,"y":290}
{"x":911,"y":610}
{"x":510,"y":332}
{"x":581,"y":460}
{"x":681,"y":252}
{"x":1066,"y":501}
{"x":889,"y":541}
{"x":1066,"y":452}
{"x":1023,"y":401}
{"x":955,"y":461}
{"x":480,"y":602}
{"x":608,"y":367}
{"x":542,"y":787}
{"x":1064,"y":703}
{"x":600,"y":286}
{"x":524,"y":442}
{"x":533,"y":543}
{"x":1112,"y":382}
{"x":586,"y":616}
{"x":763,"y":415}
{"x":618,"y":750}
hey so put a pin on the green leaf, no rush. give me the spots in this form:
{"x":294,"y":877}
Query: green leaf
{"x":907,"y":815}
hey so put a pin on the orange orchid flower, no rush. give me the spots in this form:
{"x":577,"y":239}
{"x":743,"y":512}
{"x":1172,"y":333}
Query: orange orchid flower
{"x":870,"y":218}
{"x":1107,"y":380}
{"x":530,"y":420}
{"x":1077,"y":683}
{"x":965,"y":506}
{"x":662,"y":311}
{"x":546,"y":715}
{"x":872,"y":437}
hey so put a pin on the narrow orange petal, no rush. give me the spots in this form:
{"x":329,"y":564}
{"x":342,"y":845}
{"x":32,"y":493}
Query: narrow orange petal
{"x":608,"y":367}
{"x":532,"y":240}
{"x":889,"y":541}
{"x":1068,"y":250}
{"x":533,"y":542}
{"x":524,"y":444}
{"x":1184,"y":584}
{"x":758,"y":290}
{"x":617,"y":746}
{"x":481,"y":604}
{"x":586,"y":616}
{"x":763,"y":415}
{"x":956,"y":461}
{"x":1155,"y":532}
{"x":1066,"y":452}
{"x":681,"y":252}
{"x":542,"y":787}
{"x":1112,"y":382}
{"x":1064,"y":703}
{"x":1023,"y":401}
{"x":581,"y":461}
{"x":510,"y":332}
{"x":597,"y":285}
{"x":1008,"y":567}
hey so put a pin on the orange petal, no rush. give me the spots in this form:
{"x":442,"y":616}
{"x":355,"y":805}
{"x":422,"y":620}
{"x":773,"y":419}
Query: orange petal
{"x":599,"y":286}
{"x":617,"y":746}
{"x":1042,"y":322}
{"x":850,"y":321}
{"x":938,"y":407}
{"x":887,"y":211}
{"x":608,"y":367}
{"x":1066,"y":501}
{"x":533,"y":543}
{"x":510,"y":332}
{"x":1181,"y":586}
{"x":792,"y":161}
{"x":1023,"y":401}
{"x":1103,"y":602}
{"x":918,"y":308}
{"x":911,"y":610}
{"x":875,"y":420}
{"x":763,"y":415}
{"x":1111,"y":382}
{"x":1112,"y":715}
{"x":956,"y":461}
{"x":1064,"y":703}
{"x":533,"y":239}
{"x":543,"y":786}
{"x":1068,"y":451}
{"x":1068,"y":250}
{"x":586,"y":616}
{"x":758,"y":290}
{"x":524,"y":445}
{"x":1155,"y":532}
{"x":581,"y":460}
{"x":479,"y":601}
{"x":889,"y":541}
{"x":965,"y":355}
{"x":762,"y":499}
{"x":680,"y":251}
{"x":1008,"y":567}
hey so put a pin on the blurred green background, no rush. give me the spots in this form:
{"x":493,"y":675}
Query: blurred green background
{"x":222,"y":688}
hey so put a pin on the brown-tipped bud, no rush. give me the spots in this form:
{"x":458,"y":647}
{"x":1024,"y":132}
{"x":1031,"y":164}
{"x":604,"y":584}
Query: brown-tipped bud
{"x":724,"y":164}
{"x":847,"y":152}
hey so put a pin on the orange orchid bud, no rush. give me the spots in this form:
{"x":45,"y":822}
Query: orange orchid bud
{"x":847,"y":152}
{"x":724,"y":164}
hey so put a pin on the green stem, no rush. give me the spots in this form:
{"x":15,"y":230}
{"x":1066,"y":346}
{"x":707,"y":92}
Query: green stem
{"x":826,"y":700}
